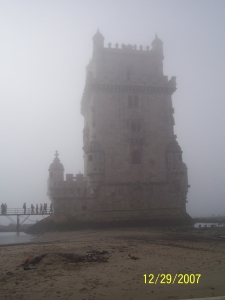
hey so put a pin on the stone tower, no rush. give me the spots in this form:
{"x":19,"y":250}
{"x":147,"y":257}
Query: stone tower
{"x":133,"y":168}
{"x":56,"y":173}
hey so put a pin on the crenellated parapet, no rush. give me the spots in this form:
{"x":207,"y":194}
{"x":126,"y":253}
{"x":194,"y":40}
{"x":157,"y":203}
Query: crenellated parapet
{"x":98,"y":45}
{"x":126,"y":69}
{"x":72,"y":187}
{"x":129,"y":47}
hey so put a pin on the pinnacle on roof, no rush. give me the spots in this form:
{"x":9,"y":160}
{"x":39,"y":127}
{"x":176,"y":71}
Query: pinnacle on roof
{"x":98,"y":36}
{"x":156,"y":41}
{"x":56,"y":159}
{"x":56,"y":164}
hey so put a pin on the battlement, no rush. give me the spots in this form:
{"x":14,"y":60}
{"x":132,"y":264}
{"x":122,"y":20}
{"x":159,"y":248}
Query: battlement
{"x":98,"y":45}
{"x":72,"y":187}
{"x":78,"y":179}
{"x":129,"y":47}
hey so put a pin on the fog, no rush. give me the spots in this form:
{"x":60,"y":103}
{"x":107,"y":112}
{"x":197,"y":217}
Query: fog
{"x":44,"y":49}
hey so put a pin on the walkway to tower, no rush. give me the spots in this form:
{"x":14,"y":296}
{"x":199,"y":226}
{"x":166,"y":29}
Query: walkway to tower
{"x":24,"y":214}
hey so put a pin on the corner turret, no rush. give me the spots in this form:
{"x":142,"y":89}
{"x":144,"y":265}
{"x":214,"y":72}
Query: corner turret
{"x":98,"y":41}
{"x":56,"y":172}
{"x":157,"y":46}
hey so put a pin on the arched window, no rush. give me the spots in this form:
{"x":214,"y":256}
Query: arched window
{"x":136,"y":157}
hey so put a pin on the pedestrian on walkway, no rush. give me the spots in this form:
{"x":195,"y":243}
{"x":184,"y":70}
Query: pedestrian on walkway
{"x":24,"y":208}
{"x":36,"y":208}
{"x":2,"y":209}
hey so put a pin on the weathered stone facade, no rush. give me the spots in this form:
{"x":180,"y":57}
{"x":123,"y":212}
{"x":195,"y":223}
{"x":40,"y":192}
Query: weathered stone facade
{"x":133,"y":168}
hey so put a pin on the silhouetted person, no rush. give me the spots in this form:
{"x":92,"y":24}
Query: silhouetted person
{"x":5,"y":208}
{"x":2,"y":209}
{"x":36,"y":208}
{"x":32,"y":209}
{"x":24,"y":208}
{"x":51,"y":208}
{"x":41,"y":208}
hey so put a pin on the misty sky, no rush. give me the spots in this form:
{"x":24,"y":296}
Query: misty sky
{"x":45,"y":46}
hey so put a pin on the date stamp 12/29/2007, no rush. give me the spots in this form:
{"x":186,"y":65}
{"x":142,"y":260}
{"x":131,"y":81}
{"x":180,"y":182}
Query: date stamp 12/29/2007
{"x":171,"y":279}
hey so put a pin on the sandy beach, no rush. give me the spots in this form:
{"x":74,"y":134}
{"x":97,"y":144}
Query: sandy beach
{"x":114,"y":263}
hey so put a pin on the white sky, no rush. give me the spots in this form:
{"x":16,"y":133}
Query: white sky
{"x":45,"y":46}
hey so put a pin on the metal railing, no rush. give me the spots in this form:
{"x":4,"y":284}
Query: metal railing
{"x":27,"y":211}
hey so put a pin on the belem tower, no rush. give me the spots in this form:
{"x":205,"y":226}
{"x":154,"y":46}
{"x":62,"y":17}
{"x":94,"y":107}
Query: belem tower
{"x":133,"y":166}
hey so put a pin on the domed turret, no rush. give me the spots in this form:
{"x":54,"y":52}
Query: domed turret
{"x":157,"y":46}
{"x":98,"y":41}
{"x":56,"y":171}
{"x":56,"y":165}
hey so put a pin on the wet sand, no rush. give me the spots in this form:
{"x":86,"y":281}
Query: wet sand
{"x":131,"y":253}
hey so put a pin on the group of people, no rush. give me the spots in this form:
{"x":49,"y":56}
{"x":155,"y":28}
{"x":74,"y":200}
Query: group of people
{"x":4,"y":209}
{"x":43,"y":209}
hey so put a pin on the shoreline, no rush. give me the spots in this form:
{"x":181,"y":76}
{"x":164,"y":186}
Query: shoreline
{"x":131,"y":253}
{"x":211,"y":232}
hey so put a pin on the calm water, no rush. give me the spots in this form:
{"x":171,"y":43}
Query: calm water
{"x":21,"y":237}
{"x":15,"y":238}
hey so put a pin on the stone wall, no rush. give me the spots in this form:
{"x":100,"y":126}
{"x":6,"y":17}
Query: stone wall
{"x":133,"y":167}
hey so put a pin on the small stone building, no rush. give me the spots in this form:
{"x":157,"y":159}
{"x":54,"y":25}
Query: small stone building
{"x":133,"y":166}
